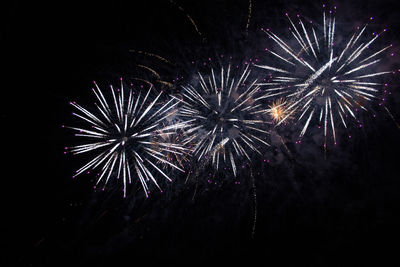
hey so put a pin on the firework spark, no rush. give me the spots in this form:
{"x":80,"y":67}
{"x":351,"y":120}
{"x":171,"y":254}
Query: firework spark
{"x":188,"y":17}
{"x":225,"y":117}
{"x":278,"y":110}
{"x":124,"y":134}
{"x":177,"y":155}
{"x":322,"y":78}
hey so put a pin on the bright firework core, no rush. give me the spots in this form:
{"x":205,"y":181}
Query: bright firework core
{"x":277,"y":111}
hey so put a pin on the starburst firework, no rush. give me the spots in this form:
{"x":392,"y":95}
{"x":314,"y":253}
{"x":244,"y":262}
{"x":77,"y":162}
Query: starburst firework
{"x":321,"y":78}
{"x":124,"y":134}
{"x":278,"y":110}
{"x":224,"y":114}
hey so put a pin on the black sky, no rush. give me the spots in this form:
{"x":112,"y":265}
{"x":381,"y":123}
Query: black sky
{"x":338,"y":211}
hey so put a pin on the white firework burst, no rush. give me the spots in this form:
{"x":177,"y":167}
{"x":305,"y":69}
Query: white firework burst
{"x":224,"y":114}
{"x":323,"y":78}
{"x":122,"y":134}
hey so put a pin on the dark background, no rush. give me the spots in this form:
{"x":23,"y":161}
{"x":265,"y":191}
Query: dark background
{"x":338,"y":211}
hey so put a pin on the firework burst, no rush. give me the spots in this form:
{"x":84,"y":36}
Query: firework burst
{"x":324,"y":78}
{"x":278,"y":110}
{"x":224,"y":113}
{"x":123,"y":134}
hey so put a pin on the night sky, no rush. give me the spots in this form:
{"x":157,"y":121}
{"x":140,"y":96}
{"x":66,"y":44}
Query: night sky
{"x":337,"y":209}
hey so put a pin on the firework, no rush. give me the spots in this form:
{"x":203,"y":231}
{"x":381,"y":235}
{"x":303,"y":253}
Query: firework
{"x":322,"y":78}
{"x":278,"y":110}
{"x":122,"y":134}
{"x":180,"y":156}
{"x":224,"y":114}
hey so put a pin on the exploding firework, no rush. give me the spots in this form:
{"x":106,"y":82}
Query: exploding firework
{"x":124,"y":135}
{"x":323,"y":78}
{"x":224,"y":115}
{"x":278,"y":110}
